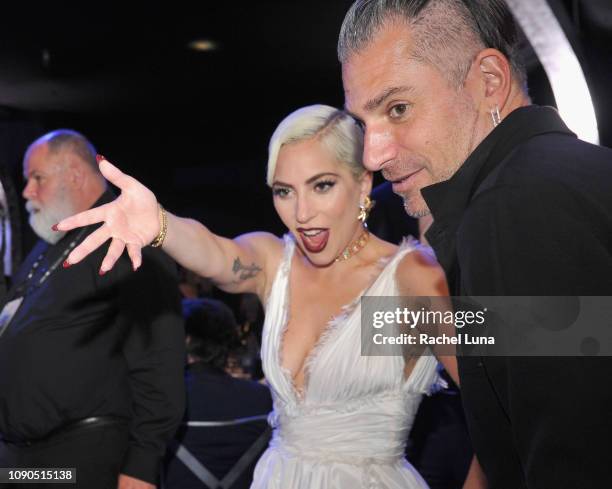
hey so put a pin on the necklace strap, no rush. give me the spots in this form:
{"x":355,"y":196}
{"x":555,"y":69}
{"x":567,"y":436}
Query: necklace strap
{"x":355,"y":247}
{"x":25,"y":287}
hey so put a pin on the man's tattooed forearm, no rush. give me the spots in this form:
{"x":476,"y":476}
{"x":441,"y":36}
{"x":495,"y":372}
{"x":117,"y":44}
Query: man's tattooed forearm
{"x":244,"y":272}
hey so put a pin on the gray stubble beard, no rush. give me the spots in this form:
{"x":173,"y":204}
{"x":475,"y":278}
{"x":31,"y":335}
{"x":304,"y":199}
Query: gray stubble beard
{"x":418,"y":214}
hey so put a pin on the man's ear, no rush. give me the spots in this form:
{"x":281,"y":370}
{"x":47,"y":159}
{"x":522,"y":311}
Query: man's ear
{"x":76,"y":173}
{"x":494,"y":77}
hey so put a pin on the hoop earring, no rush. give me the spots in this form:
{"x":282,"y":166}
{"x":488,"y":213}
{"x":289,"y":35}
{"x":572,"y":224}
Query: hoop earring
{"x":365,"y":208}
{"x":495,"y":116}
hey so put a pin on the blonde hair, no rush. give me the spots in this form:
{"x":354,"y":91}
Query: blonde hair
{"x":337,"y":130}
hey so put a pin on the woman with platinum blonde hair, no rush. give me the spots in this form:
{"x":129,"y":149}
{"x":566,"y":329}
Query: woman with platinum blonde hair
{"x":336,"y":129}
{"x":340,"y":419}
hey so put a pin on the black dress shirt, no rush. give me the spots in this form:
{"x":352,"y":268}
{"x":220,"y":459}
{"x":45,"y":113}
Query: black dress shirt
{"x":85,"y":345}
{"x":530,"y":214}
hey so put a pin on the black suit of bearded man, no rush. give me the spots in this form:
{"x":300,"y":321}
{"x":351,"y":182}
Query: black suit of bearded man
{"x":91,"y":366}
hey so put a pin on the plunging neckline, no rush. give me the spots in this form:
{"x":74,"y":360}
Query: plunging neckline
{"x":299,"y":393}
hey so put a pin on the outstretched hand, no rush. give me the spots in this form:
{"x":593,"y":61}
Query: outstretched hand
{"x":131,"y":220}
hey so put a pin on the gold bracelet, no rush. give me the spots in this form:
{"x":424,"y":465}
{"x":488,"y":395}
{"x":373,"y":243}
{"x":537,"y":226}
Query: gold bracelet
{"x":163,"y":221}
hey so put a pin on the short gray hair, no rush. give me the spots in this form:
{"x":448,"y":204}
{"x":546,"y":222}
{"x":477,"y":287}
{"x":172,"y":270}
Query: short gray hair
{"x":337,"y":130}
{"x":72,"y":142}
{"x":447,"y":33}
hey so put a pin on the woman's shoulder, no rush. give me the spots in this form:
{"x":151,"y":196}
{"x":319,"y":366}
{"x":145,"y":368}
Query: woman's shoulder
{"x":418,"y":271}
{"x":268,"y":247}
{"x":384,"y":250}
{"x":387,"y":251}
{"x":266,"y":244}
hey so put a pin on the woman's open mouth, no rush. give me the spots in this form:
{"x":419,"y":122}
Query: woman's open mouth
{"x":314,"y":239}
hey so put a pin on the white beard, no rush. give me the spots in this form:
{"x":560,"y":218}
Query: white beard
{"x":41,"y":219}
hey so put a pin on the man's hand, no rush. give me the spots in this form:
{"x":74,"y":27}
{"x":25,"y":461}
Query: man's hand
{"x":127,"y":482}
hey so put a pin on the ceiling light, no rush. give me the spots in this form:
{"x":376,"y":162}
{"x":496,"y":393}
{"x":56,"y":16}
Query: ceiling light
{"x":202,"y":45}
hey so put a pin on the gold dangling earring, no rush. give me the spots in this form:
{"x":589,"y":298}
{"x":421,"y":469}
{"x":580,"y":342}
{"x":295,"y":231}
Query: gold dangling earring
{"x":365,"y":208}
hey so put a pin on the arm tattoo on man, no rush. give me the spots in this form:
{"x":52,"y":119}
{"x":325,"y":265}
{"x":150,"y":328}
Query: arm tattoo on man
{"x":244,"y":272}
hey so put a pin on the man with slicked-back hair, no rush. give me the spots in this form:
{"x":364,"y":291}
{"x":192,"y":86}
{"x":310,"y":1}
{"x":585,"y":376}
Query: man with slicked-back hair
{"x":520,"y":208}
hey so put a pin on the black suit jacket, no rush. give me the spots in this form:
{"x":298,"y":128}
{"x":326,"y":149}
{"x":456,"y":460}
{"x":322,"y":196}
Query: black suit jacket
{"x":530,"y":214}
{"x":213,"y":395}
{"x":84,"y":345}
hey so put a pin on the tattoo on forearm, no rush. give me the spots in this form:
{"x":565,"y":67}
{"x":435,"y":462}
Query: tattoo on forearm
{"x":244,"y":272}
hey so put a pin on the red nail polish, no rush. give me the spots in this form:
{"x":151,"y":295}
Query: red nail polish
{"x":54,"y":227}
{"x":66,"y":264}
{"x":99,"y":158}
{"x":102,"y":272}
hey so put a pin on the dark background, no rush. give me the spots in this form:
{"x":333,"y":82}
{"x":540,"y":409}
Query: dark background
{"x":194,"y":126}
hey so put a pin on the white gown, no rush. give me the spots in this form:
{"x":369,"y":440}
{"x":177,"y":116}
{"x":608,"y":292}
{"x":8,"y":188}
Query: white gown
{"x":348,"y":428}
